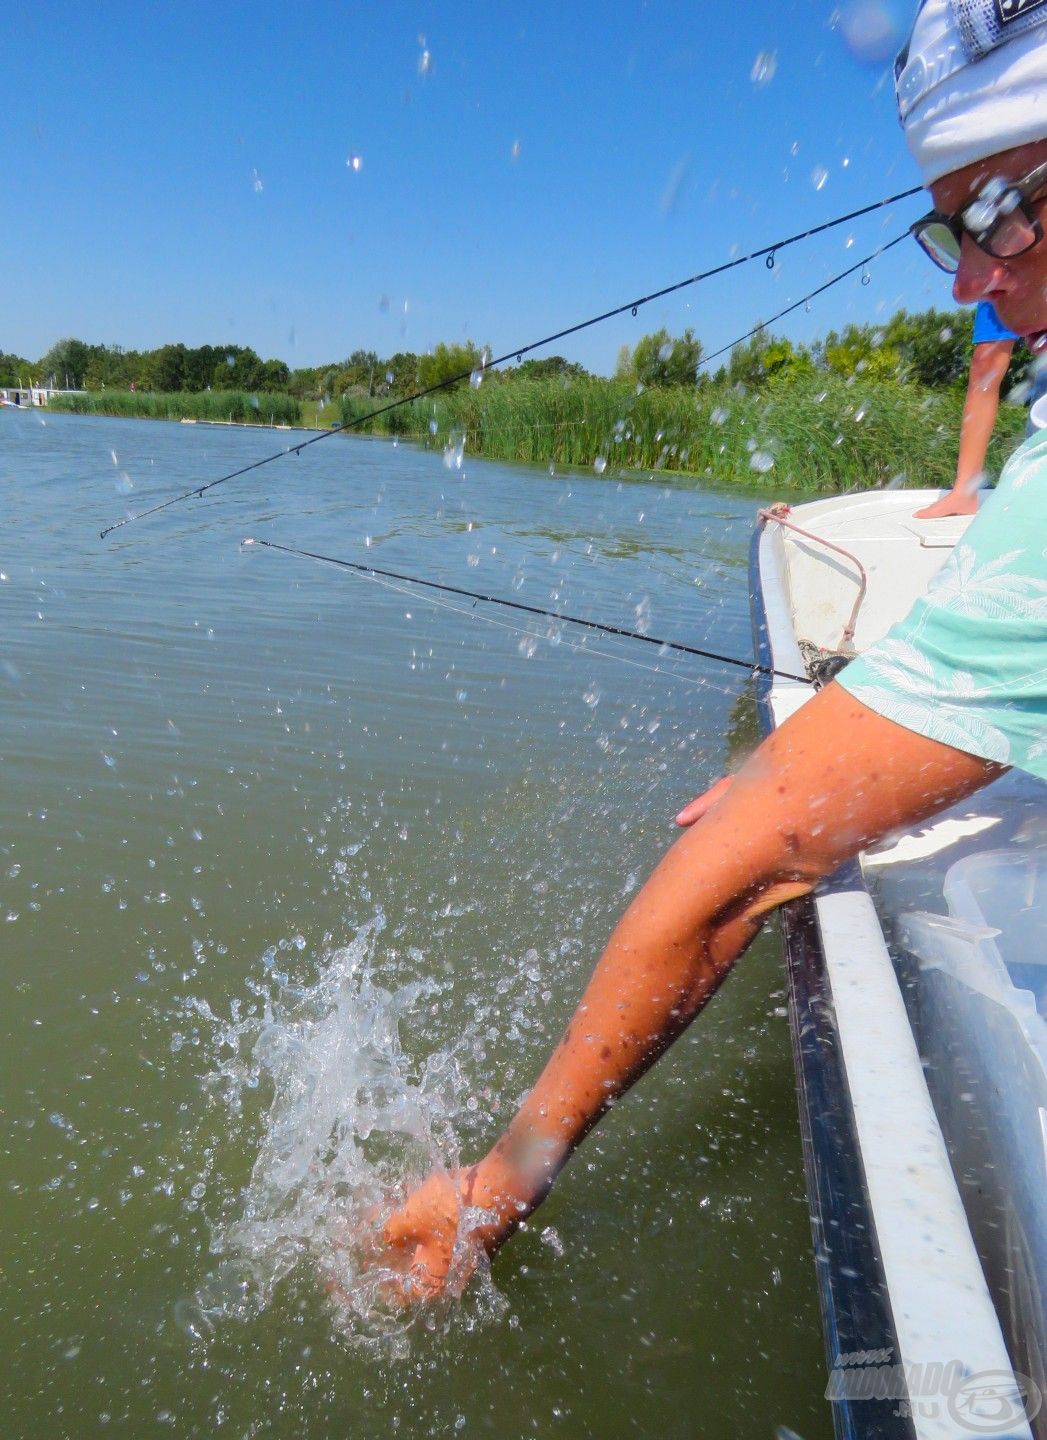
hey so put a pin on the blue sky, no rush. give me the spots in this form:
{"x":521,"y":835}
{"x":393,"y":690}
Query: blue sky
{"x":179,"y":171}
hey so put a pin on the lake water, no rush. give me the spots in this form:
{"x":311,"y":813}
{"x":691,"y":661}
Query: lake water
{"x":301,"y":876}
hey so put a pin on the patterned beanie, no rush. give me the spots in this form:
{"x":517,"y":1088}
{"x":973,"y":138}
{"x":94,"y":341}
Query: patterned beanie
{"x":972,"y":81}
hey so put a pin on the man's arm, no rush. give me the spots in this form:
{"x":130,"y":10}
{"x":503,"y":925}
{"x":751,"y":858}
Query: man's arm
{"x":989,"y":362}
{"x":831,"y":778}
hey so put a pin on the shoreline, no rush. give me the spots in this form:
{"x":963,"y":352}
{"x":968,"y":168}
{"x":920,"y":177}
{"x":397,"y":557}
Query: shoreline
{"x":819,"y":435}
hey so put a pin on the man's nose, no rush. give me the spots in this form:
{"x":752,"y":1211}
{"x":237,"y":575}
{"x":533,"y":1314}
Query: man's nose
{"x":977,"y":275}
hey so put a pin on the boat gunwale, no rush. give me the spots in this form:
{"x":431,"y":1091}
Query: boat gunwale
{"x":833,"y":936}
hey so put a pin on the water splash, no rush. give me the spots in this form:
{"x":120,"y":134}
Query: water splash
{"x":345,"y":1120}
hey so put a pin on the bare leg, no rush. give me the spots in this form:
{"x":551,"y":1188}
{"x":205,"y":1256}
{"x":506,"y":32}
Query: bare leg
{"x":831,"y":780}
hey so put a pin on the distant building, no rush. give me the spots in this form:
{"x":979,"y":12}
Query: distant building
{"x":28,"y":395}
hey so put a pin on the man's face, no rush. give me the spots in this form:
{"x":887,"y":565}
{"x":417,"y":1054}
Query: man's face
{"x":1016,"y":288}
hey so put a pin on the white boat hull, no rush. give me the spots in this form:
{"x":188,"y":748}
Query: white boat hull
{"x":898,"y":1267}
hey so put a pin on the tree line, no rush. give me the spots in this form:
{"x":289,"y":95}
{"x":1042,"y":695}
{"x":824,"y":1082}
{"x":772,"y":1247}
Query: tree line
{"x":931,"y":348}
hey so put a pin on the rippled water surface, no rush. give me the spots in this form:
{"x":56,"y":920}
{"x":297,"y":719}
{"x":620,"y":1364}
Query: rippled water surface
{"x":301,"y":876}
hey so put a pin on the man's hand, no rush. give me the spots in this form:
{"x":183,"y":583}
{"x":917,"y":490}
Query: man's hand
{"x":698,"y":807}
{"x":433,"y":1241}
{"x":420,"y":1236}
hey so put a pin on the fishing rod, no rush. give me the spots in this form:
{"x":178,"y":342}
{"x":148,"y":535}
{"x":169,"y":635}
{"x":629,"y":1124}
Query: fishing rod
{"x":805,"y":299}
{"x":375,"y":573}
{"x":767,"y":252}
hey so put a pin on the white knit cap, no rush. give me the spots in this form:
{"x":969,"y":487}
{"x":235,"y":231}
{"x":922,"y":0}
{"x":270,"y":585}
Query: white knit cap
{"x":972,"y":81}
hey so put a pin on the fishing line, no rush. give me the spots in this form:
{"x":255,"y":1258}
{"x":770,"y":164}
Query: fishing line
{"x":575,"y":646}
{"x":860,"y":265}
{"x":768,"y":252}
{"x":374,"y":572}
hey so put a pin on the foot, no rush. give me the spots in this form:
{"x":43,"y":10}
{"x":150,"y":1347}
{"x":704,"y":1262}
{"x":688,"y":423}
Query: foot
{"x":951,"y":504}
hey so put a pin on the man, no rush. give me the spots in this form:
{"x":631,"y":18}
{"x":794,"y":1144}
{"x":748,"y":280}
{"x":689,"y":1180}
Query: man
{"x":993,"y":347}
{"x":952,"y":695}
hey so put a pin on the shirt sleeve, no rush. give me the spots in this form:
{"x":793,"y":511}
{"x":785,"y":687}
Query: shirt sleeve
{"x":987,"y":325}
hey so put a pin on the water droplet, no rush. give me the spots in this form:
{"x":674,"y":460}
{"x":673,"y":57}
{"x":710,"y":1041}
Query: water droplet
{"x":871,"y":32}
{"x":354,"y":161}
{"x":191,"y":1320}
{"x":425,"y":62}
{"x":515,"y":150}
{"x":600,"y":464}
{"x":454,"y":450}
{"x":433,"y":426}
{"x":765,"y":67}
{"x":761,"y":461}
{"x":718,"y":416}
{"x":550,"y":1236}
{"x":257,"y":183}
{"x":819,"y":175}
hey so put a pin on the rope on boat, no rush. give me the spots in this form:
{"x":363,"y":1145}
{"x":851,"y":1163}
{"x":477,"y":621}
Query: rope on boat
{"x":777,"y":513}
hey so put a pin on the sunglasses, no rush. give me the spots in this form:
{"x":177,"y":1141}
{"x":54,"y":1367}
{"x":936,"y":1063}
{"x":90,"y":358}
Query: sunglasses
{"x":1001,"y":222}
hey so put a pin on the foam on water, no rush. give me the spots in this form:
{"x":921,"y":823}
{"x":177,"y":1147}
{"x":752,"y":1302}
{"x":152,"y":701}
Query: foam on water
{"x":342,"y":1120}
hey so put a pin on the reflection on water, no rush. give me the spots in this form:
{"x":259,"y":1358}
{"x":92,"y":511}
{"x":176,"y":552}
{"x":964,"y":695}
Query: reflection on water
{"x":301,"y":877}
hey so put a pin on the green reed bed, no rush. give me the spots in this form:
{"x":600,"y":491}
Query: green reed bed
{"x":214,"y":405}
{"x":817,"y":432}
